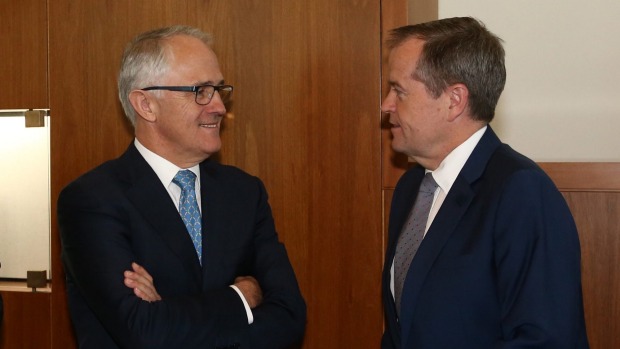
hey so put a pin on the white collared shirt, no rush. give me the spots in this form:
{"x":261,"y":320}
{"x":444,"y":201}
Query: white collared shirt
{"x":445,"y":174}
{"x":165,"y":171}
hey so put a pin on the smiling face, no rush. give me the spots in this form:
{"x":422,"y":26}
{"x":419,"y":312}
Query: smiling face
{"x":173,"y":125}
{"x":419,"y":122}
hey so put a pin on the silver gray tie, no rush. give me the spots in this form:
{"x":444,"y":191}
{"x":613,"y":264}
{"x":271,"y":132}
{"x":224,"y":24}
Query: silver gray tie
{"x":412,"y":234}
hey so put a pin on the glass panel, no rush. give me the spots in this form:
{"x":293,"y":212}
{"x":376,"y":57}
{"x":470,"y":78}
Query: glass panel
{"x":24,"y":197}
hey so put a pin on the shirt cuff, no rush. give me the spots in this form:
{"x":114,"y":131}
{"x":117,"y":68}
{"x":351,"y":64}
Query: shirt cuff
{"x":248,"y":311}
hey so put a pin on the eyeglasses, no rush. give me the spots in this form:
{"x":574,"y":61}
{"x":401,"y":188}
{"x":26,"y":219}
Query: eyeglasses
{"x":204,"y":93}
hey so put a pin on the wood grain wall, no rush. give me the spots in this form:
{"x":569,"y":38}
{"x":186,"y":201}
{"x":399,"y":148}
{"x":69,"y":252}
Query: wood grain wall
{"x":26,"y":322}
{"x":592,"y":191}
{"x":23,"y":54}
{"x":305,"y":119}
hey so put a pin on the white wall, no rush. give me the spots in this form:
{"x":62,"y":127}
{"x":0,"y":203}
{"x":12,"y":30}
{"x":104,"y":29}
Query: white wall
{"x":24,"y":198}
{"x":562,"y":101}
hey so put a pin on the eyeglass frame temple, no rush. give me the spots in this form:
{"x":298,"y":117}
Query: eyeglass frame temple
{"x":216,"y":88}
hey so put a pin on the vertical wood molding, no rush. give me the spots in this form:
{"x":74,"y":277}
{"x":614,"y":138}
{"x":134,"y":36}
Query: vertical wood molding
{"x":393,"y":15}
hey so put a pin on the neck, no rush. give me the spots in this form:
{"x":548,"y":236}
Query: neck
{"x":457,"y":136}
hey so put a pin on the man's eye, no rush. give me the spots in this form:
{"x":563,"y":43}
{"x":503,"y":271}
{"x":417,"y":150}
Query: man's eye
{"x":399,"y":92}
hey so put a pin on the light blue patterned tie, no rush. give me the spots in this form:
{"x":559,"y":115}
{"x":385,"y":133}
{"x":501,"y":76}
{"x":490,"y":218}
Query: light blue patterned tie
{"x":188,"y":208}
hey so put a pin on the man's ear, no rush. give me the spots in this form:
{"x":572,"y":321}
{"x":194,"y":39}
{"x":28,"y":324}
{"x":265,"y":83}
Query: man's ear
{"x":459,"y":99}
{"x":144,"y":105}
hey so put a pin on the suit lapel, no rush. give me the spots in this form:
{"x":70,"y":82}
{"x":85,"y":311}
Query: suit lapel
{"x":446,"y":220}
{"x":444,"y":225}
{"x":216,"y":227}
{"x":151,"y":199}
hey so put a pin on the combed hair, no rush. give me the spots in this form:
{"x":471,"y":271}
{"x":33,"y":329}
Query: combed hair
{"x":458,"y":50}
{"x":144,"y":61}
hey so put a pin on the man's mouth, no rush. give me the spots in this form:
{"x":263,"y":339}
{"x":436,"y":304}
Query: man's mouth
{"x":213,"y":125}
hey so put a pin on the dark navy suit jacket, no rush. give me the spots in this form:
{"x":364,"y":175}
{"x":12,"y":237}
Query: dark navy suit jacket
{"x":499,"y":266}
{"x":121,"y":213}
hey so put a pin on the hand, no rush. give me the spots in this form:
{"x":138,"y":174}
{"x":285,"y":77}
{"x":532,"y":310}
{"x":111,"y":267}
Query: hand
{"x":142,"y":283}
{"x":250,"y":289}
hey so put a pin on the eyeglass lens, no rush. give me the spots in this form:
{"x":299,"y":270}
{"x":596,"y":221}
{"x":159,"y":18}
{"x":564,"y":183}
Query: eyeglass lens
{"x":205,"y":94}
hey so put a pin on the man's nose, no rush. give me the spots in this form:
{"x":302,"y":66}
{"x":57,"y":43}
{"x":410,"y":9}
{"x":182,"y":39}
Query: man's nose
{"x":387,"y":106}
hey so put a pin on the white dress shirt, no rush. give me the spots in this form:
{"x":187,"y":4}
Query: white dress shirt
{"x":166,"y":171}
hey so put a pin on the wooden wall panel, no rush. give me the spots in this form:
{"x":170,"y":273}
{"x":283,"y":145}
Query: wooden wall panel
{"x":597,"y":215}
{"x":26,"y":321}
{"x":592,"y":191}
{"x":23,"y":54}
{"x":584,"y":176}
{"x":306,"y":120}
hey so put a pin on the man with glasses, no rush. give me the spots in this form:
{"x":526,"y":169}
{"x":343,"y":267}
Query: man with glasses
{"x":162,"y":247}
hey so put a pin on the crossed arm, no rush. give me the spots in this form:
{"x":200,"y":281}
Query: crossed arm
{"x":143,"y":286}
{"x":106,"y":228}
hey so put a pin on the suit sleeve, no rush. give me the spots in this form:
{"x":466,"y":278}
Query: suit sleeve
{"x":96,"y":249}
{"x":537,"y":258}
{"x":279,"y":321}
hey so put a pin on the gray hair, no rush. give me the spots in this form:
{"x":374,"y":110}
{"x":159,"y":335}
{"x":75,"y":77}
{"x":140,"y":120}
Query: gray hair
{"x":459,"y":50}
{"x":144,"y":61}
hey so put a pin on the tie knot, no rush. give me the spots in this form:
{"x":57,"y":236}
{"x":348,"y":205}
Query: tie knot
{"x":428,"y":184}
{"x":185,"y":179}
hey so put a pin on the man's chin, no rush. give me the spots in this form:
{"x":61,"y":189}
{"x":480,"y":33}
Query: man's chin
{"x":212,"y":152}
{"x":398,"y":147}
{"x":211,"y":149}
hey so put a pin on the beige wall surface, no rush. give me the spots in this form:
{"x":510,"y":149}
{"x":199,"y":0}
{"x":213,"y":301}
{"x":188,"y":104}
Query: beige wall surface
{"x":560,"y":102}
{"x":24,"y":197}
